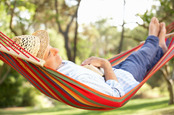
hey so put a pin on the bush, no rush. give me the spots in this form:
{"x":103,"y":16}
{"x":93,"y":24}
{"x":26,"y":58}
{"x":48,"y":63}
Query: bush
{"x":15,"y":92}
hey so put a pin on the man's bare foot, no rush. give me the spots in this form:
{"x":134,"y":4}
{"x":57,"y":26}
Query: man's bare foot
{"x":161,"y":36}
{"x":154,"y":27}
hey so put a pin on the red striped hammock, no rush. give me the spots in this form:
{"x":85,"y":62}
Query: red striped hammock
{"x":67,"y":90}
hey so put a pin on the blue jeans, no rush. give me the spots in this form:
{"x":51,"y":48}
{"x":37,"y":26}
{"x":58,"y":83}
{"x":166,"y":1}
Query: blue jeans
{"x":141,"y":61}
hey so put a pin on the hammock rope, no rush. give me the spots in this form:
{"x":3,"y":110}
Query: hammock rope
{"x":15,"y":47}
{"x":10,"y":47}
{"x":67,"y":90}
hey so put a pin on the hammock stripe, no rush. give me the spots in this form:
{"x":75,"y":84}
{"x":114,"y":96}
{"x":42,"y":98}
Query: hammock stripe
{"x":71,"y":92}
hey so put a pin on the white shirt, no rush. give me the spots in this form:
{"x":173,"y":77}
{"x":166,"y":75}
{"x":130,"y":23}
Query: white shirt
{"x":125,"y":83}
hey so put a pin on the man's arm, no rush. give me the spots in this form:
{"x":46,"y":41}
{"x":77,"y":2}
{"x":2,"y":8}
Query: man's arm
{"x":102,"y":63}
{"x":108,"y":72}
{"x":110,"y":76}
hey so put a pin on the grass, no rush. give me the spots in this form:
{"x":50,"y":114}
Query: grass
{"x":158,"y":106}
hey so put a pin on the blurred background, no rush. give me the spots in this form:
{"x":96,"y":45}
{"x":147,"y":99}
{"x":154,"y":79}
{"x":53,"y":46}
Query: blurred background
{"x":80,"y":29}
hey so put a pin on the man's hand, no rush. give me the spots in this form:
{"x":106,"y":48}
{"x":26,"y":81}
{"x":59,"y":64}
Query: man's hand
{"x":102,"y":63}
{"x":97,"y":62}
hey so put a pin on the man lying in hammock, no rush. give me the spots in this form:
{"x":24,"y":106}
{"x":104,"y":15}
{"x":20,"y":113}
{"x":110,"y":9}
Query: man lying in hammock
{"x":119,"y":79}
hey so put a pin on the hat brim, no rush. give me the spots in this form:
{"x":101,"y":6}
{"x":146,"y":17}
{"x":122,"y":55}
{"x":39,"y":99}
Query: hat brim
{"x":44,"y":42}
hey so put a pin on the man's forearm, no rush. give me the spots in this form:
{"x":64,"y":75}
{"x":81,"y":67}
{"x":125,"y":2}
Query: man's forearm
{"x":109,"y":73}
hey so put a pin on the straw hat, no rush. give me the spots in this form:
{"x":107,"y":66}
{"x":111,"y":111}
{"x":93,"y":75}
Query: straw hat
{"x":36,"y":44}
{"x":44,"y":42}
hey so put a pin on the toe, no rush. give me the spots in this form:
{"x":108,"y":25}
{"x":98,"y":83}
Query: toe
{"x":162,"y":30}
{"x":154,"y":27}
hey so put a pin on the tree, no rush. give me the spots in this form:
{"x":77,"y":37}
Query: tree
{"x":70,"y":17}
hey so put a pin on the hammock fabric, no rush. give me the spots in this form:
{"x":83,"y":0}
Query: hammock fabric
{"x":69,"y":91}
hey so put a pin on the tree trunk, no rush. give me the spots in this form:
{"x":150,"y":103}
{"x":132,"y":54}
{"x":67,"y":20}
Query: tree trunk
{"x":169,"y":81}
{"x":121,"y":40}
{"x":123,"y":29}
{"x":75,"y":41}
{"x":67,"y":47}
{"x":3,"y":75}
{"x":76,"y":33}
{"x":171,"y":93}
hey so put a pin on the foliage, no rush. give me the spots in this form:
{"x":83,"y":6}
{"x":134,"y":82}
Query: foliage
{"x":164,"y":12}
{"x":56,"y":40}
{"x":4,"y":20}
{"x":84,"y":50}
{"x":156,"y":80}
{"x":14,"y":92}
{"x":103,"y":36}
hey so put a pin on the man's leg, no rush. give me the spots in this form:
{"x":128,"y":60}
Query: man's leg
{"x":138,"y":63}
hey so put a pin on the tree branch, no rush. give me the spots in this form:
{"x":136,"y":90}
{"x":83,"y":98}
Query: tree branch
{"x":11,"y":19}
{"x":57,"y":17}
{"x":143,"y":25}
{"x":73,"y":16}
{"x":165,"y":75}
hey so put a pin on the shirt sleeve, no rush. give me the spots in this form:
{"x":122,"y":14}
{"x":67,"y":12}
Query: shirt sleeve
{"x":117,"y":88}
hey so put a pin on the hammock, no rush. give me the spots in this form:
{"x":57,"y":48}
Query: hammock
{"x":65,"y":89}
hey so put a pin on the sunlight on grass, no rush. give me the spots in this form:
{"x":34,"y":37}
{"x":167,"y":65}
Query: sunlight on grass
{"x":157,"y":106}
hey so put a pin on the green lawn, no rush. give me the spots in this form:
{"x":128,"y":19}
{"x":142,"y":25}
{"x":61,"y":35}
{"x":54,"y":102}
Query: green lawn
{"x":157,"y":106}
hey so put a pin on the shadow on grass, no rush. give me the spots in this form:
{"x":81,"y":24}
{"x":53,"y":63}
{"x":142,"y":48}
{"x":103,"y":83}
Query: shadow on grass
{"x":144,"y":105}
{"x":130,"y":108}
{"x":36,"y":111}
{"x":168,"y":112}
